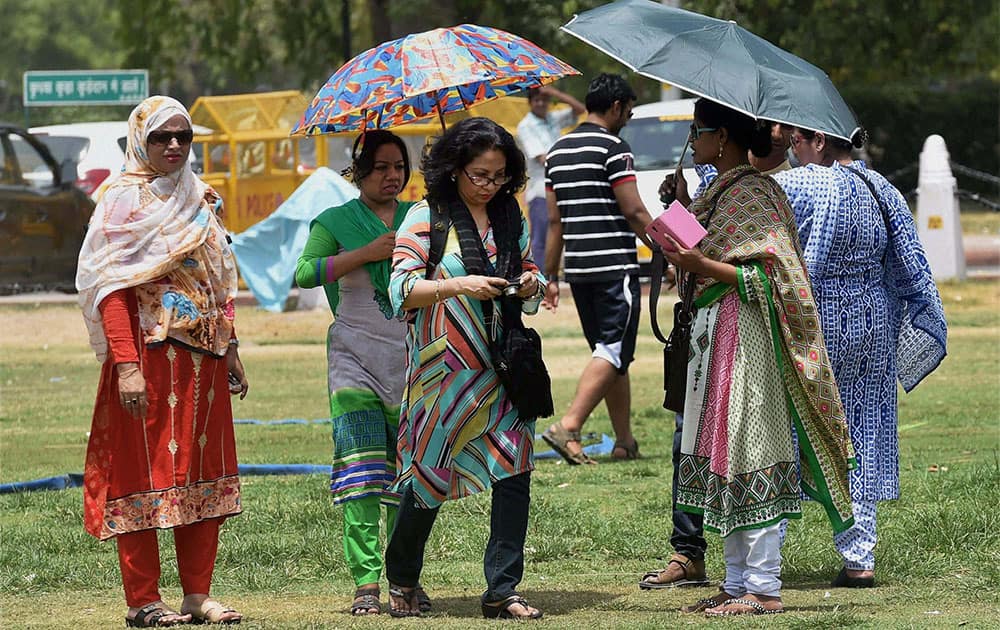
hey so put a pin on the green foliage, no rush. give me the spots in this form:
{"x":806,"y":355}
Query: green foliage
{"x":872,"y":42}
{"x":899,"y":118}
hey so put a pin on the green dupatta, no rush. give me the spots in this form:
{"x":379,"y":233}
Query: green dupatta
{"x":353,"y":225}
{"x":754,"y":229}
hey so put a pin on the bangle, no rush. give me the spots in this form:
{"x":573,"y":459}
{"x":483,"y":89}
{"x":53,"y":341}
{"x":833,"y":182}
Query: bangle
{"x":234,"y":342}
{"x":437,"y":291}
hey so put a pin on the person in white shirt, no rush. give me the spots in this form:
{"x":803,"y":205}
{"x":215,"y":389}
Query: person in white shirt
{"x":536,"y":133}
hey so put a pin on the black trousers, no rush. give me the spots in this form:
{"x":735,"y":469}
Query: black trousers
{"x":503,"y":562}
{"x":688,"y":537}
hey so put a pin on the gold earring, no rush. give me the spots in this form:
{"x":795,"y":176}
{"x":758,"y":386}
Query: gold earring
{"x":720,"y":150}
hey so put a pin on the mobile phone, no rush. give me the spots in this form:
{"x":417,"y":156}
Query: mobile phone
{"x":513,"y":286}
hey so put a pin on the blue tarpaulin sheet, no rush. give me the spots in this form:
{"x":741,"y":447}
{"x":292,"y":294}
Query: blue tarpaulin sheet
{"x":266,"y":252}
{"x":75,"y":480}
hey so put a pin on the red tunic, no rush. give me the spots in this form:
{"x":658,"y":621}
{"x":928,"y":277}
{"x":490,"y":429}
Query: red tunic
{"x":178,"y":465}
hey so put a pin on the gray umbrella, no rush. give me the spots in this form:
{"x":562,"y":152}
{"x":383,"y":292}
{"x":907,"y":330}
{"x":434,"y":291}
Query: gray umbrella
{"x":718,"y":60}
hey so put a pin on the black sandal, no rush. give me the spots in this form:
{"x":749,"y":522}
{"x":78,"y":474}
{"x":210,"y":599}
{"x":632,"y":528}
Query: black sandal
{"x":423,"y":600}
{"x":365,"y":602}
{"x":409,"y":595}
{"x":843,"y":580}
{"x":631,"y":451}
{"x":501,"y":609}
{"x":149,"y":617}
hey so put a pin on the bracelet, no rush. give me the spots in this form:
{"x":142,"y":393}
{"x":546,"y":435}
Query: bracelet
{"x":437,"y":291}
{"x":234,"y":342}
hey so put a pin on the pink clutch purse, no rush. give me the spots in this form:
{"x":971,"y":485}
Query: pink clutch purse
{"x":679,"y":224}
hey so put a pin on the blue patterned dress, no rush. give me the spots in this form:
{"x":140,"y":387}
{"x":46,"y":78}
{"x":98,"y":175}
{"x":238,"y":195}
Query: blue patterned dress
{"x":881,"y":312}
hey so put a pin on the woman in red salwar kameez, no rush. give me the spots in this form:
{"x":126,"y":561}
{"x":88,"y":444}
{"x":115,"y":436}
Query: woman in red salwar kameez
{"x":157,"y":280}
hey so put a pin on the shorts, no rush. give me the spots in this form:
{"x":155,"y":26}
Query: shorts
{"x":609,"y":313}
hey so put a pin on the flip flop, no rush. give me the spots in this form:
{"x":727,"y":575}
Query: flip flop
{"x":756,"y":608}
{"x":211,"y":611}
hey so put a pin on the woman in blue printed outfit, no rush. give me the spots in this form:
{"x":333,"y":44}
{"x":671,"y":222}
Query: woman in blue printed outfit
{"x":881,"y":315}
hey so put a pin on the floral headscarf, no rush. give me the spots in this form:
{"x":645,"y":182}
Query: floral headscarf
{"x":160,"y":234}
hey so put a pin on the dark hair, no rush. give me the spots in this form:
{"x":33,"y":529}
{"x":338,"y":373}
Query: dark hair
{"x":606,"y":90}
{"x":858,"y":139}
{"x":363,"y":161}
{"x":533,"y":92}
{"x":461,"y":144}
{"x":748,"y":134}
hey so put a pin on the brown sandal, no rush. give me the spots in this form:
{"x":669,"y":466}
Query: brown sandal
{"x":557,"y":436}
{"x":692,"y":573}
{"x":366,"y":602}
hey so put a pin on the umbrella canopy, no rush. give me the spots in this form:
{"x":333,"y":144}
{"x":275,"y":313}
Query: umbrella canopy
{"x":716,"y":59}
{"x":428,"y":74}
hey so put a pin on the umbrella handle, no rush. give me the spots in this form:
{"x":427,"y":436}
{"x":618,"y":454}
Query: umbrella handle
{"x":437,"y":106}
{"x":679,"y":171}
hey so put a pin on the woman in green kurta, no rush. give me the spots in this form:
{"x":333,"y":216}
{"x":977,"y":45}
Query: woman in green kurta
{"x":758,"y":370}
{"x":348,"y":255}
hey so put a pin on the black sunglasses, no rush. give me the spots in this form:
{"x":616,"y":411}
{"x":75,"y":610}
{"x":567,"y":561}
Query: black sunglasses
{"x":164,"y":137}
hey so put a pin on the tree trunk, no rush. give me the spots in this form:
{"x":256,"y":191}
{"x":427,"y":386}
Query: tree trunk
{"x":378,"y":11}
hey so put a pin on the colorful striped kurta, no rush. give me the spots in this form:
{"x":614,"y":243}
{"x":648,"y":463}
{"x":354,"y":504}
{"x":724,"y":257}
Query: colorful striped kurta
{"x":458,"y":432}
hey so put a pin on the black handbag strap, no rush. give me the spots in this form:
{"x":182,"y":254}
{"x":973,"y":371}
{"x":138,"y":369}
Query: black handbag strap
{"x":686,"y":281}
{"x":881,"y":206}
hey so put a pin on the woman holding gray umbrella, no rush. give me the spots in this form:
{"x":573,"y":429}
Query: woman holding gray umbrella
{"x":758,"y":369}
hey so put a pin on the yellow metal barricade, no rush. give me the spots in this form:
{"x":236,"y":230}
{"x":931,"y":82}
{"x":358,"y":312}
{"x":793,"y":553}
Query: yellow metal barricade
{"x":249,"y":157}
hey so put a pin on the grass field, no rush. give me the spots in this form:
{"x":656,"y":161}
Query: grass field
{"x":593,"y":530}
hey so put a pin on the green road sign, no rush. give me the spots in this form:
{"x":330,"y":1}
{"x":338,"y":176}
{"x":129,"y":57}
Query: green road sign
{"x":49,"y":88}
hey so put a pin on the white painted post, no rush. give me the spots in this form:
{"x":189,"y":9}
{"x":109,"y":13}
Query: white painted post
{"x":937,"y":212}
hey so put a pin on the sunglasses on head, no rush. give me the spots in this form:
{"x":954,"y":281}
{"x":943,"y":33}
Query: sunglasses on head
{"x":184,"y":136}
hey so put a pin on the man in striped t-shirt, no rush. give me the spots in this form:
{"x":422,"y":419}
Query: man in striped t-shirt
{"x":595,"y":212}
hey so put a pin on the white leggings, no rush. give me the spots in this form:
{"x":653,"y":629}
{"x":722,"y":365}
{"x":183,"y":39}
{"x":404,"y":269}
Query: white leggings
{"x":753,"y":562}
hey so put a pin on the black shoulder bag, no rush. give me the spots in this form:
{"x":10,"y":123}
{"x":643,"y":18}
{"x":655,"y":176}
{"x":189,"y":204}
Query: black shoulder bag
{"x":517,"y":354}
{"x":677,"y":347}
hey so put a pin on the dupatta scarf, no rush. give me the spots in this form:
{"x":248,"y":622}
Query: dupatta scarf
{"x":753,"y":228}
{"x":160,"y":234}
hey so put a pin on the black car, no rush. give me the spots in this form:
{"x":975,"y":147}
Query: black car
{"x":43,"y":216}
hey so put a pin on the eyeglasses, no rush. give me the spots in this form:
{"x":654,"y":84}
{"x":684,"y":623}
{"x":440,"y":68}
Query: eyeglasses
{"x":696,"y":131}
{"x":483,"y":181}
{"x":184,"y":136}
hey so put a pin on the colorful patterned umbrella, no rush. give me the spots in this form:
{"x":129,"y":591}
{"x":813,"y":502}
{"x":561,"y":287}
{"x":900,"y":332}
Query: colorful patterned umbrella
{"x":428,"y":74}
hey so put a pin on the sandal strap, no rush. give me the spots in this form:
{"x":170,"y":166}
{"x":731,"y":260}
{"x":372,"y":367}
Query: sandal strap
{"x":366,"y":601}
{"x":683,"y":564}
{"x":747,"y":602}
{"x":509,"y":601}
{"x":151,"y":613}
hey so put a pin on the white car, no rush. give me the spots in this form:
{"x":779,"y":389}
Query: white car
{"x":98,"y":148}
{"x":657,"y":134}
